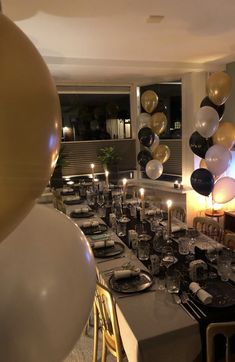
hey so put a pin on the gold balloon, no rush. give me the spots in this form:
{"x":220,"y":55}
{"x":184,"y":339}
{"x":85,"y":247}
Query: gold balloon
{"x":158,"y":122}
{"x":225,"y":135}
{"x":30,"y":125}
{"x":219,"y":87}
{"x":203,"y":164}
{"x":149,"y":101}
{"x":162,"y":153}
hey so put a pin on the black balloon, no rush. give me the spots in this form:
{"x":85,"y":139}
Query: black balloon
{"x":146,"y":136}
{"x":219,"y":109}
{"x":144,"y":157}
{"x":202,"y":181}
{"x":199,"y":145}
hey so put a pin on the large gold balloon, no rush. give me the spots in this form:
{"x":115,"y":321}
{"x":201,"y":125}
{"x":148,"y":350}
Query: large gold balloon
{"x":162,"y":153}
{"x":149,"y":101}
{"x":30,"y":125}
{"x":202,"y":164}
{"x":225,"y":135}
{"x":219,"y":87}
{"x":158,"y":122}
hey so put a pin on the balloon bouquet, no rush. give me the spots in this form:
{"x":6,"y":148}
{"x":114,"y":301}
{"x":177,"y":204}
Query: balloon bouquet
{"x":151,"y":126}
{"x":212,"y":141}
{"x":47,"y":271}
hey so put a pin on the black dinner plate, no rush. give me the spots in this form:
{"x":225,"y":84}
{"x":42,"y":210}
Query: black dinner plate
{"x":101,"y":228}
{"x":67,"y":193}
{"x":223,"y":294}
{"x":116,"y":249}
{"x":74,"y":201}
{"x":132,"y":285}
{"x":81,"y":215}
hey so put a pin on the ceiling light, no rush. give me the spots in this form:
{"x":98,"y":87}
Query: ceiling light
{"x":155,"y":18}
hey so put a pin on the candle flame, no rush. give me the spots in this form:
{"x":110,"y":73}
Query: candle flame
{"x":92,"y":165}
{"x":106,"y":173}
{"x":141,"y":191}
{"x":169,"y":203}
{"x":124,"y":182}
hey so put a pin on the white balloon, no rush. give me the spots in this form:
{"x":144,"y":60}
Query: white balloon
{"x":224,"y":190}
{"x":154,"y":169}
{"x":155,"y":143}
{"x":47,"y":283}
{"x":218,"y":159}
{"x":206,"y":121}
{"x":144,"y":120}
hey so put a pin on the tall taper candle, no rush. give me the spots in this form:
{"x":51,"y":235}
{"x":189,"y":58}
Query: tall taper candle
{"x":142,"y":203}
{"x":124,"y":182}
{"x":92,"y":170}
{"x":169,"y":204}
{"x":107,"y":178}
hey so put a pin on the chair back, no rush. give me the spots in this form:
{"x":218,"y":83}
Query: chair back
{"x":227,"y":329}
{"x":229,"y":240}
{"x":208,"y":227}
{"x":107,"y":313}
{"x":179,"y":213}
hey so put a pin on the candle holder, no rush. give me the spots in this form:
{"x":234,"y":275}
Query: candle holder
{"x":169,"y":221}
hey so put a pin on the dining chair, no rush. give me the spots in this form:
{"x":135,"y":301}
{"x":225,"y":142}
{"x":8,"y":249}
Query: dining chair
{"x":179,"y":213}
{"x":227,"y":329}
{"x":105,"y":313}
{"x":208,"y":227}
{"x":229,"y":240}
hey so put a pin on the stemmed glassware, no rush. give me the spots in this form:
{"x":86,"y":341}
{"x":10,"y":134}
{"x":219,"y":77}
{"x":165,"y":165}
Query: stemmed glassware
{"x":168,"y":257}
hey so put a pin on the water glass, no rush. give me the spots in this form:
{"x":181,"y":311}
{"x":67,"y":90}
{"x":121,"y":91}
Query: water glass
{"x":173,"y":281}
{"x":184,"y":246}
{"x":161,"y":282}
{"x":122,"y":226}
{"x":143,"y":248}
{"x":155,"y":264}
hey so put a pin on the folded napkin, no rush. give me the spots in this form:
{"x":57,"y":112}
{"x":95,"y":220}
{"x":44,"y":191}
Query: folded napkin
{"x":126,"y":273}
{"x":86,"y":224}
{"x":202,"y":294}
{"x":81,"y":210}
{"x":103,"y":244}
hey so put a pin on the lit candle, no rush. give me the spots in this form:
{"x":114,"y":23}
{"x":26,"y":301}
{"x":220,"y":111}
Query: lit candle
{"x":92,"y":170}
{"x":176,"y":184}
{"x":107,"y":178}
{"x":169,"y":204}
{"x":124,"y":182}
{"x":142,"y":203}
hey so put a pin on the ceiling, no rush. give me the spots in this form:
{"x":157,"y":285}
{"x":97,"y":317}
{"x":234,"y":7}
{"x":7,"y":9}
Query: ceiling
{"x":93,"y":41}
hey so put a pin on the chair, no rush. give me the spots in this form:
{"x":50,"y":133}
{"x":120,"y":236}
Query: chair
{"x":179,"y":213}
{"x":208,"y":227}
{"x":229,"y":240}
{"x":105,"y":311}
{"x":227,"y":329}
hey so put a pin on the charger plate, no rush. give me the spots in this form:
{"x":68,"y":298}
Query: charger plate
{"x":101,"y":228}
{"x":116,"y":249}
{"x":133,"y":284}
{"x":81,"y":215}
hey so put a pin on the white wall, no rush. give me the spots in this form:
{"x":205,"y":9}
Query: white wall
{"x":229,"y":114}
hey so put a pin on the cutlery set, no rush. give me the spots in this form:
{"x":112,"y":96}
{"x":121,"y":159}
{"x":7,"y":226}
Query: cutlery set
{"x":184,"y":299}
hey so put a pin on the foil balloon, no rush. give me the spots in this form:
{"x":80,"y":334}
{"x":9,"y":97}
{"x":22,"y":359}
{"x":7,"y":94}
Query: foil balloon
{"x":30,"y":125}
{"x":159,"y":122}
{"x":218,"y":159}
{"x":224,"y":190}
{"x":202,"y":164}
{"x":47,"y":279}
{"x":219,"y":109}
{"x":144,"y":120}
{"x":162,"y":153}
{"x":202,"y":181}
{"x":144,"y":157}
{"x":206,"y":121}
{"x":154,"y":169}
{"x":219,"y":87}
{"x":225,"y":135}
{"x":146,"y":136}
{"x":149,"y":101}
{"x":199,"y":145}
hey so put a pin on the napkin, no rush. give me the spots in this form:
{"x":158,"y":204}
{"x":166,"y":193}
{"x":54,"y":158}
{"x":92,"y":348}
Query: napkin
{"x":174,"y":227}
{"x":81,"y":210}
{"x":103,"y":244}
{"x":202,"y":294}
{"x":126,"y":273}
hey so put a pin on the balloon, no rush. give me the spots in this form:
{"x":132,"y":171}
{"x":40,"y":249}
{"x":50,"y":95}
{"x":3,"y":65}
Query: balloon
{"x":206,"y":121}
{"x":30,"y":125}
{"x":199,"y":145}
{"x":155,"y":143}
{"x":158,"y":122}
{"x":219,"y":109}
{"x":144,"y":157}
{"x":224,"y":190}
{"x":218,"y":159}
{"x":202,"y":164}
{"x":47,"y":281}
{"x":202,"y":181}
{"x":219,"y":87}
{"x":154,"y":169}
{"x":146,"y":136}
{"x":149,"y":101}
{"x":225,"y":135}
{"x":162,"y":153}
{"x":144,"y":120}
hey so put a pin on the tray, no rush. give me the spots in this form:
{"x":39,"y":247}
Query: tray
{"x":81,"y":215}
{"x":132,"y":285}
{"x":223,"y":294}
{"x":117,"y":249}
{"x":95,"y":230}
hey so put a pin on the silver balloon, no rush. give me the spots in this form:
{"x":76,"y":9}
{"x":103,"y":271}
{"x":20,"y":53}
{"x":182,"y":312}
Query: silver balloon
{"x":154,"y":169}
{"x":218,"y":159}
{"x":224,"y":190}
{"x":206,"y":121}
{"x":144,"y":120}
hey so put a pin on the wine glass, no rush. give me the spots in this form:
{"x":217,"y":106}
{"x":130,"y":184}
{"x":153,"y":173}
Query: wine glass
{"x":168,"y":257}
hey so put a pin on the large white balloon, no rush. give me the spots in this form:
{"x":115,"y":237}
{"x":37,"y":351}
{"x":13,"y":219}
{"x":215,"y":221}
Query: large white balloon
{"x":144,"y":120}
{"x":47,"y":283}
{"x":206,"y":121}
{"x":218,"y":159}
{"x":154,"y":169}
{"x":224,"y":190}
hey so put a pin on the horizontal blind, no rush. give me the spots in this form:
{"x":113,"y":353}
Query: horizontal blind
{"x":174,"y":164}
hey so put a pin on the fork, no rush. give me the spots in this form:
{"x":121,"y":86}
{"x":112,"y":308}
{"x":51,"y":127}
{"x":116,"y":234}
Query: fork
{"x":185,"y":299}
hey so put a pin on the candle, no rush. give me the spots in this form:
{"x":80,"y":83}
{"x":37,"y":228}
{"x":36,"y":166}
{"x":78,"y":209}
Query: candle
{"x":176,"y":184}
{"x":107,"y":178}
{"x":124,"y":182}
{"x":169,"y":205}
{"x":142,"y":203}
{"x":92,"y":170}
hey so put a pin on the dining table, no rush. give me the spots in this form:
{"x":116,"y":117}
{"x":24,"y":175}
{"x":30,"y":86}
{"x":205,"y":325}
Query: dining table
{"x":152,"y":325}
